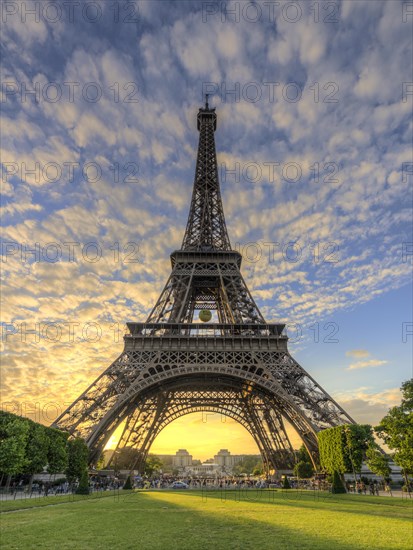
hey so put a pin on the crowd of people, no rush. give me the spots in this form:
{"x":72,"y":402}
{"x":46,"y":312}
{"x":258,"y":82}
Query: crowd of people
{"x":225,"y":483}
{"x":196,"y":483}
{"x":99,"y":483}
{"x":373,"y":487}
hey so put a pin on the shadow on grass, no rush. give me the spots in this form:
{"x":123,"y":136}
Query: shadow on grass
{"x":56,"y":500}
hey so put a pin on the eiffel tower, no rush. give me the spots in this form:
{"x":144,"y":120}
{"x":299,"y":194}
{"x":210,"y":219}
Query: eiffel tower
{"x":173,"y":365}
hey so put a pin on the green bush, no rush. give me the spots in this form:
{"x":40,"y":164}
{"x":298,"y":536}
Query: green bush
{"x":128,"y":484}
{"x":337,"y":486}
{"x":83,"y":488}
{"x":286,"y":483}
{"x":58,"y":481}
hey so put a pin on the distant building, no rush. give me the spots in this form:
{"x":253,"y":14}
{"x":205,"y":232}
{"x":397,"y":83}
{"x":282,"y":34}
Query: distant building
{"x":222,"y":463}
{"x":396,"y":473}
{"x":182,"y":459}
{"x":205,"y":469}
{"x":226,"y":460}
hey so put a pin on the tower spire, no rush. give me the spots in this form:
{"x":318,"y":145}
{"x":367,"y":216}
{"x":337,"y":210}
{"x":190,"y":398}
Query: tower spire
{"x":206,"y":228}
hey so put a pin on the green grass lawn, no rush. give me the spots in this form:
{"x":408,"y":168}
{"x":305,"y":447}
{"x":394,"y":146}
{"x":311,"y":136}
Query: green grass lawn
{"x":213,"y":520}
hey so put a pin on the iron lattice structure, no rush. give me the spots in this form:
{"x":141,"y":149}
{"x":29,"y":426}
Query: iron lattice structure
{"x":171,"y":365}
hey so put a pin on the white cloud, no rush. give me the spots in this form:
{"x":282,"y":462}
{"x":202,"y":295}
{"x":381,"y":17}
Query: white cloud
{"x":229,"y":44}
{"x":358,"y":353}
{"x":367,"y":364}
{"x":366,"y":405}
{"x":169,"y":55}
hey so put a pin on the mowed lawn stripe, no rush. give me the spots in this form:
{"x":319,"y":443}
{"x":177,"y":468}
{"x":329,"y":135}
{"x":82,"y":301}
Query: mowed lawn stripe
{"x":330,"y":519}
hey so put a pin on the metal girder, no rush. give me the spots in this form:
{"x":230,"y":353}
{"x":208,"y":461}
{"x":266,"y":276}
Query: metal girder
{"x":210,"y":283}
{"x":206,"y":229}
{"x":96,"y":413}
{"x":248,"y":406}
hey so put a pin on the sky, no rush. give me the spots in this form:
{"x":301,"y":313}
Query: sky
{"x":99,"y":139}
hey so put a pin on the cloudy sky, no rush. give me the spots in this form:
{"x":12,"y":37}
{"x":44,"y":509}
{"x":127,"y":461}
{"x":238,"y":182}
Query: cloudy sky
{"x":99,"y":139}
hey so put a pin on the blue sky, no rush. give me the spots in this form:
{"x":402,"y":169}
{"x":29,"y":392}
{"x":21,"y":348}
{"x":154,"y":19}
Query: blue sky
{"x":314,"y":121}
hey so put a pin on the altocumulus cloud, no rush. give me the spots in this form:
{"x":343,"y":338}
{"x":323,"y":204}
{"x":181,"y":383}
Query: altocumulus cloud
{"x":367,"y":364}
{"x":347,"y":186}
{"x":358,"y":353}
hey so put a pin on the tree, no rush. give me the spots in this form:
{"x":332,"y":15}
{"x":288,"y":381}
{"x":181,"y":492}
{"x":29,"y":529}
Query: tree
{"x":78,"y":456}
{"x":83,"y":487}
{"x":330,"y":445}
{"x":152,"y":464}
{"x":302,"y":455}
{"x":358,"y":437}
{"x":248,"y":464}
{"x":342,"y":448}
{"x":304,"y":466}
{"x":377,"y":461}
{"x":14,"y":432}
{"x":57,"y":455}
{"x":37,"y":448}
{"x":303,"y":470}
{"x":100,"y":464}
{"x":396,"y":430}
{"x":27,"y":447}
{"x":407,"y":391}
{"x":125,"y":458}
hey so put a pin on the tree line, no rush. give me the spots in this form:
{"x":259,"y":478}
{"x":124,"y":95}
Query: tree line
{"x":342,"y":449}
{"x":28,"y":448}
